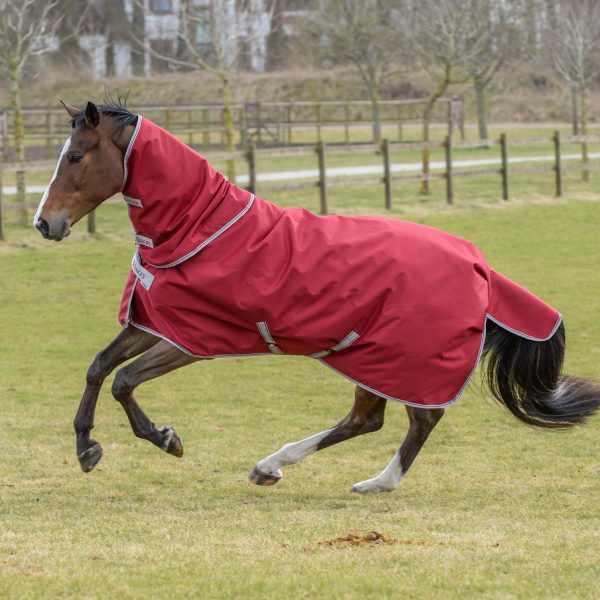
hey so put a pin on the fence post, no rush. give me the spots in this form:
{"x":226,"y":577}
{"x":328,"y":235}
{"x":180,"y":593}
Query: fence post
{"x":251,"y":168}
{"x":91,"y":222}
{"x":387,"y":180}
{"x":2,"y":238}
{"x":190,"y":125}
{"x":346,"y":123}
{"x":4,"y":133}
{"x":222,"y":125}
{"x":205,"y":129}
{"x":504,"y":168}
{"x":448,"y":153}
{"x":48,"y":136}
{"x":463,"y":135}
{"x":425,"y":156}
{"x":258,"y":125}
{"x":557,"y":166}
{"x":399,"y":119}
{"x":320,"y":149}
{"x":289,"y":122}
{"x":318,"y":117}
{"x":279,"y":124}
{"x":243,"y":127}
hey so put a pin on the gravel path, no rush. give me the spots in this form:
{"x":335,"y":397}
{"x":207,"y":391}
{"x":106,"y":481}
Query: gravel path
{"x":413,"y":167}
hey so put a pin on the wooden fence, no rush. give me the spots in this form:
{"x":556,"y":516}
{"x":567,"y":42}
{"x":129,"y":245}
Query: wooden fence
{"x":322,"y":182}
{"x":265,"y":124}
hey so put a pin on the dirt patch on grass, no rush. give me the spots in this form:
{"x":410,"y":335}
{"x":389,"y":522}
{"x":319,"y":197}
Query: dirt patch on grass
{"x":372,"y":538}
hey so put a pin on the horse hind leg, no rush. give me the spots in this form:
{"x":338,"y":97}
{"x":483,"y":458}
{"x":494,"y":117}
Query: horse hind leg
{"x":422,"y":421}
{"x":157,"y":361}
{"x":365,"y":416}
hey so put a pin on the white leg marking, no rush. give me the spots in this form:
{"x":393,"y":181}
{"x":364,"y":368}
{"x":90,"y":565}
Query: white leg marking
{"x":290,"y":454}
{"x":170,"y":433}
{"x":386,"y":481}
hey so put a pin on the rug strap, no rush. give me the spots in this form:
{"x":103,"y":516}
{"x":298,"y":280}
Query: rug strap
{"x":345,"y":343}
{"x":264,"y":331}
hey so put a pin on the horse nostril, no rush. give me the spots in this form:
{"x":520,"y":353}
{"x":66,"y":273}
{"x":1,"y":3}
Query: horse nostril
{"x":43,"y":227}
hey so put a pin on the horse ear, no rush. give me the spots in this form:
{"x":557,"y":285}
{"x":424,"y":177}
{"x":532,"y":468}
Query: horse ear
{"x":92,"y":118}
{"x":73,"y":112}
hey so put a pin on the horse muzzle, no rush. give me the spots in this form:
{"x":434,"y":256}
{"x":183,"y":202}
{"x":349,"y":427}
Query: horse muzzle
{"x":58,"y":231}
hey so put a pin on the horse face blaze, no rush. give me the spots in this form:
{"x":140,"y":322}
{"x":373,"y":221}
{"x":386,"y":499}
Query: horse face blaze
{"x":89,"y":171}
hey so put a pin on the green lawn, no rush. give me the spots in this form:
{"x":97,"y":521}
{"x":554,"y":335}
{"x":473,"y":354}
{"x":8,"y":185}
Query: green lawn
{"x":490,"y":509}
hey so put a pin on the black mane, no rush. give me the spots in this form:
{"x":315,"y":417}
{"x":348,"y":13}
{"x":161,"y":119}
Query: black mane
{"x":115,"y":109}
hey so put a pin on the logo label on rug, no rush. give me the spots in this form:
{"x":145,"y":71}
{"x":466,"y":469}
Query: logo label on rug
{"x":145,"y":277}
{"x":142,"y":240}
{"x":133,"y":201}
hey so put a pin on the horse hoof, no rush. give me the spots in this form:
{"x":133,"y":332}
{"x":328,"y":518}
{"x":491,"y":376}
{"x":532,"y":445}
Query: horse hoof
{"x":90,"y":457}
{"x":172,"y":443}
{"x":259,"y":478}
{"x":368,"y":487}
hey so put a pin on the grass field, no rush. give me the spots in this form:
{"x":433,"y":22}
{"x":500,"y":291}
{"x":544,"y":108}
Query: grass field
{"x":490,"y":509}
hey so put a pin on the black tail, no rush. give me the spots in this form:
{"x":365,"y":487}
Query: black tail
{"x":525,"y":376}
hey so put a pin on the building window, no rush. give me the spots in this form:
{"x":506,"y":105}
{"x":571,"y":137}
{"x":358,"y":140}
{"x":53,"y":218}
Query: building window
{"x":202,"y":35}
{"x":161,"y":7}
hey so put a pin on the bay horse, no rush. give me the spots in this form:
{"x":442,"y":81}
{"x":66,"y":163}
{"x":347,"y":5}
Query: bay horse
{"x":403,"y":310}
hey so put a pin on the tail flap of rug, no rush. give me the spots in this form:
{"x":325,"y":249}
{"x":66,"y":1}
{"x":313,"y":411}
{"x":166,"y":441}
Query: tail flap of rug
{"x":518,"y":310}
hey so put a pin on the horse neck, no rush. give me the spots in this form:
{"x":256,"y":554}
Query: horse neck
{"x":122,"y":139}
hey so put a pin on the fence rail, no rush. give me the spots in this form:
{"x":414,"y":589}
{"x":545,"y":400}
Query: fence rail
{"x":260,"y":123}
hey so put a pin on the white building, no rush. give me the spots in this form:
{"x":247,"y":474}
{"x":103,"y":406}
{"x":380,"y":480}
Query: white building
{"x":238,"y":29}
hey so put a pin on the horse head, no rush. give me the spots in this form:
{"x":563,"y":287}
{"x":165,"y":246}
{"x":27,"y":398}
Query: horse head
{"x":89,"y":170}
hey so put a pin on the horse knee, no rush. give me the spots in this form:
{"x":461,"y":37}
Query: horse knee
{"x":96,"y":372}
{"x":122,"y":386}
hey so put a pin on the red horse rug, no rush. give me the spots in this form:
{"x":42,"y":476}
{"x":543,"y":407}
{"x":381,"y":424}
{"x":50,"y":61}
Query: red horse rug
{"x":398,"y":308}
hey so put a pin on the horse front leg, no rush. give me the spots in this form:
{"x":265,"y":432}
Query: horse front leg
{"x":129,"y":343}
{"x":366,"y":416}
{"x":422,"y":421}
{"x":157,"y":361}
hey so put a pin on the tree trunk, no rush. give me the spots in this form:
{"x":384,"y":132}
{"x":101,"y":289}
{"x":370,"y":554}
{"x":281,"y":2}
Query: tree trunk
{"x":15,"y":96}
{"x":574,"y":115}
{"x":229,"y":123}
{"x":441,"y":88}
{"x":376,"y":110}
{"x":585,"y":175}
{"x":479,"y":84}
{"x":137,"y":27}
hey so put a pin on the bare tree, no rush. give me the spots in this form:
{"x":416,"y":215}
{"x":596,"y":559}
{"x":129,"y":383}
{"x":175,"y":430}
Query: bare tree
{"x":210,"y":36}
{"x":447,"y":37}
{"x":364,"y":33}
{"x":494,"y":32}
{"x":27,"y":28}
{"x":574,"y":50}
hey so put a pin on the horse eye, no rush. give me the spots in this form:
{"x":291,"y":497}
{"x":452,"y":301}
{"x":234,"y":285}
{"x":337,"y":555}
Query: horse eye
{"x":74,"y":158}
